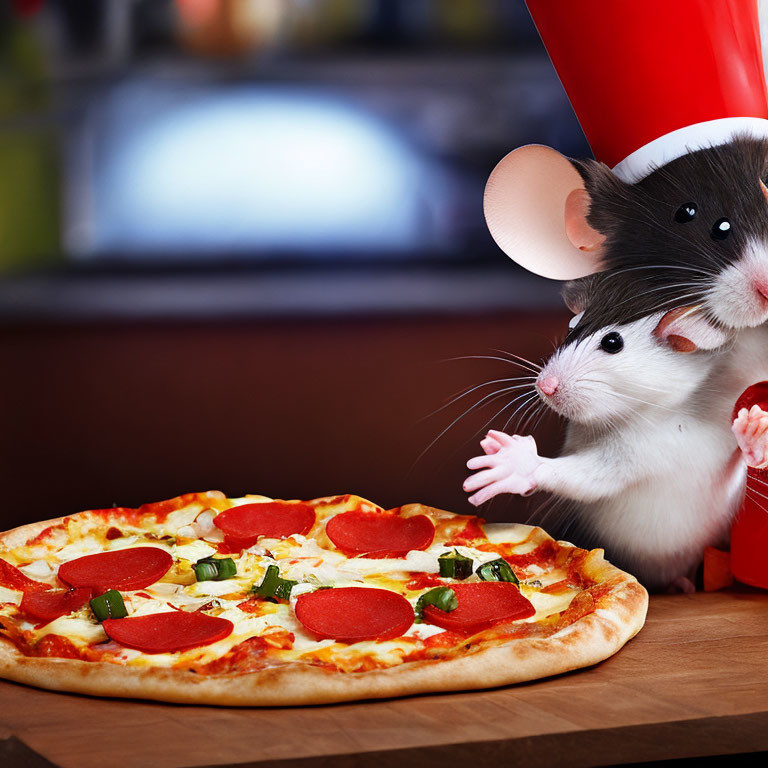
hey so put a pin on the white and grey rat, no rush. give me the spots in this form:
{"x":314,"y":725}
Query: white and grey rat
{"x":649,"y":458}
{"x":694,"y":231}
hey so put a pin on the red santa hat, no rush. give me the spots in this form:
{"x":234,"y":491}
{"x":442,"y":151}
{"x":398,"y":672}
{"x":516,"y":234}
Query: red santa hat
{"x":651,"y":80}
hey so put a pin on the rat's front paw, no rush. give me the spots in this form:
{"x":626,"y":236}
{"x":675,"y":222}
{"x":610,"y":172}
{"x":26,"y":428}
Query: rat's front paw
{"x":509,"y":466}
{"x":751,"y":430}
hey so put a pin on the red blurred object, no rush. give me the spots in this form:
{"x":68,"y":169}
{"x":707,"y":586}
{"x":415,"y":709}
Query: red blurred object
{"x":717,"y":569}
{"x":749,"y":533}
{"x":27,"y":7}
{"x":757,"y":394}
{"x":230,"y":27}
{"x":637,"y":71}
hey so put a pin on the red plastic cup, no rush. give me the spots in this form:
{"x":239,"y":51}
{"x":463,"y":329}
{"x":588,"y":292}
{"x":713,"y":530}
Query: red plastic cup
{"x":749,"y":533}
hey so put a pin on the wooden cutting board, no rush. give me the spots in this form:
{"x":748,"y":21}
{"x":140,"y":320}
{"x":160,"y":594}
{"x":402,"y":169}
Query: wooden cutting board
{"x":694,"y":682}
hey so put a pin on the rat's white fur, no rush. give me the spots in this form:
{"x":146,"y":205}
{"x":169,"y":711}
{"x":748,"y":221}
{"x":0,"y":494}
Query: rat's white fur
{"x":738,"y":297}
{"x":595,"y":386}
{"x":665,"y":480}
{"x":649,"y":456}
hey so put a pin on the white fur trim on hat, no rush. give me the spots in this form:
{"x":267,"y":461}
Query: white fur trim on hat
{"x":663,"y":150}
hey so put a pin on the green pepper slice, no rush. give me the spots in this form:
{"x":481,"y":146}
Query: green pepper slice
{"x":443,"y":598}
{"x":110,"y":605}
{"x":455,"y":566}
{"x":215,"y":569}
{"x":273,"y":585}
{"x":497,"y":570}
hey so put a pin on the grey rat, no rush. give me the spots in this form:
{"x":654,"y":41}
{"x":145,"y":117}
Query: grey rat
{"x":694,"y":231}
{"x":649,"y":458}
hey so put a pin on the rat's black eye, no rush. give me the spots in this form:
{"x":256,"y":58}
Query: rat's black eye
{"x":685,"y":213}
{"x":612,"y":343}
{"x":721,"y":229}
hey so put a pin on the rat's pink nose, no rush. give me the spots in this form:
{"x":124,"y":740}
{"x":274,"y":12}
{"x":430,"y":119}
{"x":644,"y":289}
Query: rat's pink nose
{"x":762,"y":288}
{"x":548,"y":385}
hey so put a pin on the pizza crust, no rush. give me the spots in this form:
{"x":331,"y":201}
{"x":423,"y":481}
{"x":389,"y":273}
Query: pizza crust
{"x":17,"y":537}
{"x":618,"y":616}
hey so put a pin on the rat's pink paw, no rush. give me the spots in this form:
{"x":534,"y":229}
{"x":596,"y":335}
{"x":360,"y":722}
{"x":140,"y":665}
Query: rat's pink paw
{"x":750,"y":428}
{"x":490,"y":445}
{"x":509,"y":468}
{"x":494,"y":441}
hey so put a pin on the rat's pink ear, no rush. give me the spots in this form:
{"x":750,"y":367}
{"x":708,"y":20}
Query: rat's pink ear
{"x":685,"y":330}
{"x":536,"y":207}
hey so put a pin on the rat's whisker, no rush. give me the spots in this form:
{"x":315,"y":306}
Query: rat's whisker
{"x":465,"y":393}
{"x":630,"y":397}
{"x":508,"y":405}
{"x":522,"y":421}
{"x":535,"y":366}
{"x":493,"y":357}
{"x":755,"y":479}
{"x":752,"y":489}
{"x":755,"y":501}
{"x":486,"y":398}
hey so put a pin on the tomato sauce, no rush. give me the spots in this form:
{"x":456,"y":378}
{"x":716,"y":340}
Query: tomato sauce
{"x":469,"y":534}
{"x":426,"y":581}
{"x":247,"y":656}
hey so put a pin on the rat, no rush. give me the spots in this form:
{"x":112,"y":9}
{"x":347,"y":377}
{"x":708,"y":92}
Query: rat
{"x":649,"y":459}
{"x":693,"y":231}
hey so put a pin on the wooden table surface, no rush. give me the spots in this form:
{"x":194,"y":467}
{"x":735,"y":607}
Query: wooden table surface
{"x":693,"y":682}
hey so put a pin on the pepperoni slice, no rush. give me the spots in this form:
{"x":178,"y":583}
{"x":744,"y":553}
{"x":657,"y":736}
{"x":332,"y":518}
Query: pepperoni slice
{"x":167,"y":632}
{"x":133,"y":568}
{"x":379,"y":534}
{"x":481,"y":604}
{"x":12,"y":578}
{"x":47,"y":606}
{"x":242,"y":525}
{"x":353,"y":614}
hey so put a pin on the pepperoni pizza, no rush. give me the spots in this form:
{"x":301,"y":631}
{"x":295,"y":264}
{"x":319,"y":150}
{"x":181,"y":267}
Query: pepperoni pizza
{"x":249,"y":601}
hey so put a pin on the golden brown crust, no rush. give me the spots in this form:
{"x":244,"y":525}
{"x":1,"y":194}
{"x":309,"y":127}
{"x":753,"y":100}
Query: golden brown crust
{"x":17,"y":537}
{"x":618,"y":615}
{"x":589,"y":640}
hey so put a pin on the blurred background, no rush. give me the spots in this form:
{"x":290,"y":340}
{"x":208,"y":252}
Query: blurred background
{"x":242,"y":242}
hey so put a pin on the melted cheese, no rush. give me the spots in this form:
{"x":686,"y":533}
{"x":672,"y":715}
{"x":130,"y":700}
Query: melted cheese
{"x":81,"y":631}
{"x":506,"y":533}
{"x":298,"y":558}
{"x":10,"y":596}
{"x":38,"y":569}
{"x":527,"y":546}
{"x":194,"y":551}
{"x":216,"y":588}
{"x":423,"y":631}
{"x":413,"y":562}
{"x":85,"y":546}
{"x":547,"y":604}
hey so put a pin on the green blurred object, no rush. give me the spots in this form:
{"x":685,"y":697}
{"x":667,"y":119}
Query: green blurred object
{"x":465,"y":21}
{"x":29,"y":162}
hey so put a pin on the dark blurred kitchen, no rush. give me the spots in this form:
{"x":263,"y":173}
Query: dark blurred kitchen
{"x":242,"y":244}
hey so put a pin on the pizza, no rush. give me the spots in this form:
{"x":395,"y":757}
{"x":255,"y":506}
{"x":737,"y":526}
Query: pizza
{"x":250,"y":601}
